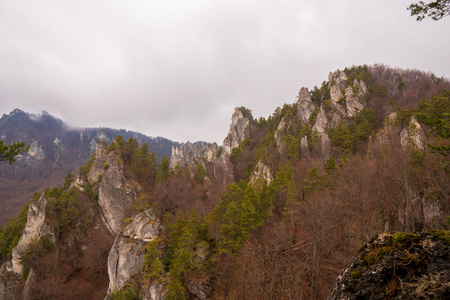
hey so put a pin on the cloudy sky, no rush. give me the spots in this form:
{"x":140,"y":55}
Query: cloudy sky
{"x":178,"y":68}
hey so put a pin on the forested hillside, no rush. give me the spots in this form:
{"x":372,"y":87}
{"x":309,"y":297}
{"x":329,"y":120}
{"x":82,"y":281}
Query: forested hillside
{"x":274,"y":213}
{"x":55,"y":149}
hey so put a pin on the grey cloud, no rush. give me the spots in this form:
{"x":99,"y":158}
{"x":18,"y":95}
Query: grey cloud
{"x":178,"y":68}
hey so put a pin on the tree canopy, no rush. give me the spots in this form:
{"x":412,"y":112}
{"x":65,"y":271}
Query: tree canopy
{"x":435,"y":10}
{"x":9,"y":152}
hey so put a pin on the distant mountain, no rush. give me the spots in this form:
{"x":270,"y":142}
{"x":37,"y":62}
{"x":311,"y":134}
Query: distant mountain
{"x":55,"y":149}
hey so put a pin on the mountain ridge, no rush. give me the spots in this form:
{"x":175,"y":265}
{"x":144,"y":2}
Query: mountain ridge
{"x":56,"y":148}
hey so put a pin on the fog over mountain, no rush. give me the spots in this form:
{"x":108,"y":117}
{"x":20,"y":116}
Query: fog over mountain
{"x":177,"y":69}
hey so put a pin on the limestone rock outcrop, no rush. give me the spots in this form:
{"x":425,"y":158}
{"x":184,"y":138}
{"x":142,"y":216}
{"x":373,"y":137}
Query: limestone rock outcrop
{"x":355,"y":100}
{"x":304,"y":105}
{"x":35,"y":154}
{"x":261,"y":171}
{"x":116,"y":197}
{"x":127,"y":253}
{"x":337,"y":77}
{"x":336,"y":93}
{"x":101,"y":163}
{"x":279,"y":133}
{"x":401,"y":265}
{"x":156,"y":291}
{"x":201,"y":288}
{"x":413,"y":135}
{"x":238,"y":131}
{"x":35,"y":229}
{"x":304,"y":148}
{"x":191,"y":154}
{"x":320,"y":127}
{"x":346,"y":97}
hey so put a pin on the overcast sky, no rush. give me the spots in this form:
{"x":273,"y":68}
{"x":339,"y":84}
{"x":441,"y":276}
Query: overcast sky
{"x":178,"y":68}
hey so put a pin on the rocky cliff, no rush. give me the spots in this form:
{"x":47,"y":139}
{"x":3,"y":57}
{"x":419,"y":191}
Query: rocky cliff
{"x":125,"y":259}
{"x":36,"y":229}
{"x":188,"y":155}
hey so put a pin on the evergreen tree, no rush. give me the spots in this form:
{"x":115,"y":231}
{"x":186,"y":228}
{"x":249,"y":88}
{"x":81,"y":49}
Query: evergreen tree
{"x":200,"y":173}
{"x":8,"y":153}
{"x":436,"y":114}
{"x":68,"y":180}
{"x":163,"y":170}
{"x":331,"y":165}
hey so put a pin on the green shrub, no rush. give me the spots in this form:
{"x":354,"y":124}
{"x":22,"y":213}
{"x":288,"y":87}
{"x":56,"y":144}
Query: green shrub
{"x":356,"y":274}
{"x":125,"y":294}
{"x":27,"y":256}
{"x":404,"y":239}
{"x":47,"y":243}
{"x":11,"y":232}
{"x":441,"y":234}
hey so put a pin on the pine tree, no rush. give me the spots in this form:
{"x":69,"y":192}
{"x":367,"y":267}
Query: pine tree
{"x":8,"y":153}
{"x":330,"y":167}
{"x":68,"y":180}
{"x":163,"y":170}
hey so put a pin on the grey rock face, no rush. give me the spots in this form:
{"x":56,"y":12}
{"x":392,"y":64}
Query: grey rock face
{"x":320,"y":126}
{"x":144,"y":226}
{"x":261,"y":171}
{"x":156,"y":291}
{"x":338,"y":77}
{"x":279,"y":133}
{"x":126,"y":255}
{"x":35,"y":154}
{"x":336,"y":93}
{"x":100,"y":164}
{"x":352,"y":94}
{"x":321,"y":121}
{"x":223,"y":168}
{"x":10,"y":285}
{"x":34,"y":230}
{"x":31,"y":280}
{"x":238,"y":131}
{"x":413,"y":135}
{"x":188,"y":154}
{"x":116,"y":196}
{"x":354,"y":100}
{"x":200,"y":289}
{"x":304,"y":147}
{"x":305,"y":105}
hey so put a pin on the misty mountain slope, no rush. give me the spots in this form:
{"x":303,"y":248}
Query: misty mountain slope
{"x":55,"y":150}
{"x":275,"y":212}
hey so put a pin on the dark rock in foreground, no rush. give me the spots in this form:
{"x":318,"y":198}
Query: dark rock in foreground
{"x":398,"y":266}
